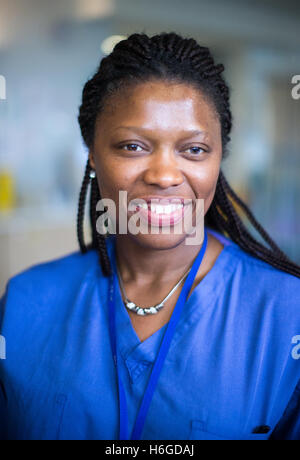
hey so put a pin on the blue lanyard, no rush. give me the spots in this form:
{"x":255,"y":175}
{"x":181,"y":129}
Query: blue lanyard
{"x":165,"y":345}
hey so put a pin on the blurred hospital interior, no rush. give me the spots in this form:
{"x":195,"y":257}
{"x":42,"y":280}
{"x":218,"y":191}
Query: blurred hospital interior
{"x":48,"y":49}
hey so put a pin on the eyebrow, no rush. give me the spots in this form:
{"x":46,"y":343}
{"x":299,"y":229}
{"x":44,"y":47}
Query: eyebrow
{"x":187,"y":134}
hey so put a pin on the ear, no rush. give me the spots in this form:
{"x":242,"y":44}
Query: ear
{"x":91,"y":160}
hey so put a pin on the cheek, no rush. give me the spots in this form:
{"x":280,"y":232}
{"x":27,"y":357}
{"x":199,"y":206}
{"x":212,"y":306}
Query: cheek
{"x":204,"y":179}
{"x":113,"y":176}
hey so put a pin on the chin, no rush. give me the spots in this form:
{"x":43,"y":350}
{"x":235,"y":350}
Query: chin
{"x":159,"y":241}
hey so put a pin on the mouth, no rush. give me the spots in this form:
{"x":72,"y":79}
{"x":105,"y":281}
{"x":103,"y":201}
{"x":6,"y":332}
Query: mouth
{"x":161,"y":211}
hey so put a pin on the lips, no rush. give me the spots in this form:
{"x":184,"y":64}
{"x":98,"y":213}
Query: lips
{"x":161,"y":211}
{"x":161,"y":200}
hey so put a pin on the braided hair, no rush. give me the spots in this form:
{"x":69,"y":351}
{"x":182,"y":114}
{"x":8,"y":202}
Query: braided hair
{"x":170,"y":57}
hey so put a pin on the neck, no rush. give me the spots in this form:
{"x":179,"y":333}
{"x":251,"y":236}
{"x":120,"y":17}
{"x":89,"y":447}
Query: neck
{"x":142,"y":264}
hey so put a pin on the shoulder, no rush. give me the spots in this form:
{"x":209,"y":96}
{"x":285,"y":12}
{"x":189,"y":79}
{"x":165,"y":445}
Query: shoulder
{"x":260,"y":270}
{"x":50,"y":282}
{"x":251,"y":269}
{"x":255,"y":288}
{"x":263,"y":287}
{"x":70,"y":266}
{"x":57,"y":282}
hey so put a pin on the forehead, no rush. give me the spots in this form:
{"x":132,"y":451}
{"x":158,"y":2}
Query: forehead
{"x":159,"y":105}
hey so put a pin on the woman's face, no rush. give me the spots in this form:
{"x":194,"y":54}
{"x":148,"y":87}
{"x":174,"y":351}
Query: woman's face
{"x":158,"y":140}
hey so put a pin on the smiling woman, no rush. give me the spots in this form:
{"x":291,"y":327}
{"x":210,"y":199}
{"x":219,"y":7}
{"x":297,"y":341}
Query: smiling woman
{"x":142,"y":338}
{"x":147,"y":152}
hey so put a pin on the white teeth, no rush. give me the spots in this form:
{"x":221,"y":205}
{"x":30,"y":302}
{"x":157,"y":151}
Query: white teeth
{"x":167,"y":209}
{"x":160,"y":208}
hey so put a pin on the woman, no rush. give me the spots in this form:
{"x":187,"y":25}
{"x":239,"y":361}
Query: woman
{"x":156,"y":339}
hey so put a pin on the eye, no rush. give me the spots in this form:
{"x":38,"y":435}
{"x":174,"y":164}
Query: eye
{"x":196,"y":150}
{"x":135,"y":146}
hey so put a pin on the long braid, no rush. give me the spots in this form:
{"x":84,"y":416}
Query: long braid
{"x":172,"y":58}
{"x":98,"y":238}
{"x":250,"y":216}
{"x":81,"y":208}
{"x":235,"y":228}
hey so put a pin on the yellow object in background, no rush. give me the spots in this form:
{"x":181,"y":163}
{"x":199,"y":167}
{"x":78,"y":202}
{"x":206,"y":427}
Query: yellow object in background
{"x":7,"y":191}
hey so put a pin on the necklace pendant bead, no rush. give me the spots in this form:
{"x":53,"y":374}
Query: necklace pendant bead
{"x":152,"y":310}
{"x":130,"y":305}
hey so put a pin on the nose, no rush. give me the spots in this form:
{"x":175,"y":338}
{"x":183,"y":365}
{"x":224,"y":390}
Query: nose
{"x":163,"y":170}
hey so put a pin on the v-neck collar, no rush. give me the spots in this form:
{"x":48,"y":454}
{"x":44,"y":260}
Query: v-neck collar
{"x":131,"y":348}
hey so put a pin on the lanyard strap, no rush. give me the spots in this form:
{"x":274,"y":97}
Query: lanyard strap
{"x":123,"y":432}
{"x":165,"y":345}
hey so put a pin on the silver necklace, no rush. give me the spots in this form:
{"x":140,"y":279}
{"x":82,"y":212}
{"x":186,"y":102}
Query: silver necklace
{"x":151,"y":310}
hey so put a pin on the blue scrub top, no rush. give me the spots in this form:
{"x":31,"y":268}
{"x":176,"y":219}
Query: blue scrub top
{"x":232,"y":371}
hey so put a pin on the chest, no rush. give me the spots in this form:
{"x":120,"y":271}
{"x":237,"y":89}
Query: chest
{"x":145,"y":326}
